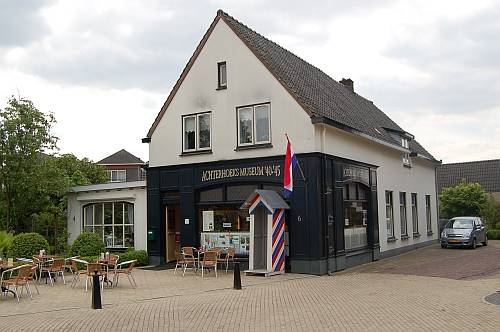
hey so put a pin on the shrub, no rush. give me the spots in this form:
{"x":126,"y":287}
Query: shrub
{"x":5,"y":242}
{"x":497,"y":225}
{"x":87,"y":244}
{"x":494,"y":234}
{"x":28,"y":244}
{"x":140,"y":255}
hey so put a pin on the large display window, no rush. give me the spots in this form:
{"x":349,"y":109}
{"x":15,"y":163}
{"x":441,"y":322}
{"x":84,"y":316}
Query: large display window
{"x":355,"y":204}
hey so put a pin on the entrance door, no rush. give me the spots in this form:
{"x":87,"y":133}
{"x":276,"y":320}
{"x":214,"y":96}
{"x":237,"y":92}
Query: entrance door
{"x":172,"y":218}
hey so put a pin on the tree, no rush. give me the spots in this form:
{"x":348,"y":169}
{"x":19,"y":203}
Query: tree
{"x":25,"y":134}
{"x":491,"y":213}
{"x":466,"y":199}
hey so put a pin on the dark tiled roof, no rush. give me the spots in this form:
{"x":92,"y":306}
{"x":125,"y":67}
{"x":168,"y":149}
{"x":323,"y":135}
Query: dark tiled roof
{"x":486,"y":173}
{"x":318,"y":93}
{"x":121,"y":157}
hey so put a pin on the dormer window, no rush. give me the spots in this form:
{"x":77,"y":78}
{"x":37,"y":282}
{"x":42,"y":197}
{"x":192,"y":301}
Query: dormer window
{"x":221,"y":76}
{"x":405,"y":143}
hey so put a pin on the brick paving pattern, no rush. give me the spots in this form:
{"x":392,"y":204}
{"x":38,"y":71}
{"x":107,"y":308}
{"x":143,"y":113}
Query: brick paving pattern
{"x":378,"y":296}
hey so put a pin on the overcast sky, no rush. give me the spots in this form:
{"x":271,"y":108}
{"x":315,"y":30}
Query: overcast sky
{"x":104,"y":68}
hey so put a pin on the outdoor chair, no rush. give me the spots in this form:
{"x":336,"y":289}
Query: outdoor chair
{"x":68,"y":265}
{"x":189,"y":258}
{"x":76,"y":272}
{"x":56,"y":268}
{"x":209,"y":261}
{"x":92,"y":268}
{"x":34,"y":276}
{"x":20,"y":280}
{"x":113,"y":260}
{"x":228,"y":256}
{"x":125,"y":268}
{"x":179,"y":257}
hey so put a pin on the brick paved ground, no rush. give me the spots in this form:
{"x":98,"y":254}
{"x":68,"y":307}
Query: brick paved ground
{"x":375,"y":297}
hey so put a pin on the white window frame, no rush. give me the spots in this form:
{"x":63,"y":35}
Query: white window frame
{"x":428,"y":211}
{"x":405,"y":143}
{"x":403,"y":213}
{"x":406,"y":159}
{"x":196,"y":132}
{"x":254,"y":124}
{"x":389,"y":213}
{"x":220,"y":83}
{"x":117,"y":171}
{"x":414,"y":213}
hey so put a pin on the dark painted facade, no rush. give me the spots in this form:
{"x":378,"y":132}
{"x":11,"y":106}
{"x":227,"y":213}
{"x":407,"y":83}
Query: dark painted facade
{"x":315,"y":220}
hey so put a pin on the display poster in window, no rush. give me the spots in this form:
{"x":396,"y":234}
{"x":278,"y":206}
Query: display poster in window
{"x":226,"y":224}
{"x":208,"y":221}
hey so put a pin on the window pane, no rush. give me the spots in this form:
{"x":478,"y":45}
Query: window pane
{"x":262,"y":128}
{"x":245,"y":124}
{"x":129,"y":236}
{"x":222,"y":74}
{"x":118,"y":207}
{"x":98,"y":231}
{"x":121,"y":176}
{"x":118,"y":236}
{"x":89,"y":215}
{"x":129,"y":213}
{"x":108,"y":213}
{"x":204,"y":130}
{"x":108,"y":236}
{"x":189,"y":132}
{"x":98,"y":214}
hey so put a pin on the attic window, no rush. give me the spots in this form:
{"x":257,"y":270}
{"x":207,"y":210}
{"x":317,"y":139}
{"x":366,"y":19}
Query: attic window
{"x":406,"y":159}
{"x":405,"y":143}
{"x":221,"y":76}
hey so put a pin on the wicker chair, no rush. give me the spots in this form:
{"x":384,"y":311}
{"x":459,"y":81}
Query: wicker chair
{"x":189,"y":258}
{"x":20,"y":280}
{"x":179,"y":257}
{"x":76,"y":272}
{"x":101,"y":270}
{"x":125,"y":268}
{"x":229,"y":256}
{"x":209,"y":261}
{"x":56,"y":267}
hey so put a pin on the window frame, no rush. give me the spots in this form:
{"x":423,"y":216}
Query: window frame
{"x":403,"y":213}
{"x":253,"y":107}
{"x":117,"y":171}
{"x":196,"y":116}
{"x":389,"y":209}
{"x":221,"y":85}
{"x":113,"y":225}
{"x":414,"y":213}
{"x":428,"y":213}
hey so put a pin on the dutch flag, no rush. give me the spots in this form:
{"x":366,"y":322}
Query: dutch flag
{"x":290,"y":163}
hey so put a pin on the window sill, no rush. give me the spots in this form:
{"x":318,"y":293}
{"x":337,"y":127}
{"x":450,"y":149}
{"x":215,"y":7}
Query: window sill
{"x":404,"y":237}
{"x":221,"y":88}
{"x":191,"y":153}
{"x":391,"y":239}
{"x":416,"y":234}
{"x":255,"y":146}
{"x":429,"y":233}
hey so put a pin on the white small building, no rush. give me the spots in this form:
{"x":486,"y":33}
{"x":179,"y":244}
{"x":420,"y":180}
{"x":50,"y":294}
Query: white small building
{"x":115,"y":211}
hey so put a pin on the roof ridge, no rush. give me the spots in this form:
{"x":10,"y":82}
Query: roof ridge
{"x":472,"y":162}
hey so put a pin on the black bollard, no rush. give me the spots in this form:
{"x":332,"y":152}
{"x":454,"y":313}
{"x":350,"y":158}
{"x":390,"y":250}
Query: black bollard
{"x":237,"y":277}
{"x":96,"y":292}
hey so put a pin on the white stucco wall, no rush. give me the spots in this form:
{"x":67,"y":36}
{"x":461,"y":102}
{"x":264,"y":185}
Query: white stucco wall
{"x":248,"y":82}
{"x":391,"y":175}
{"x":136,"y":195}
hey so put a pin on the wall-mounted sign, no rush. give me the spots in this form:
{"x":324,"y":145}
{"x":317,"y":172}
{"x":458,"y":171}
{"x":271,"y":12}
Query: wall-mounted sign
{"x":208,"y":221}
{"x":226,"y":224}
{"x":264,"y":169}
{"x":353,"y":173}
{"x":186,"y":221}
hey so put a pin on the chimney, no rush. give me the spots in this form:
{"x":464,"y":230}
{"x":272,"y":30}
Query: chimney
{"x":348,"y":83}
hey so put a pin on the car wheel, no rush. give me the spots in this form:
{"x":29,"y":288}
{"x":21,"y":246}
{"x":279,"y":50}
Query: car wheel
{"x":443,"y":245}
{"x":473,"y":245}
{"x":485,"y":243}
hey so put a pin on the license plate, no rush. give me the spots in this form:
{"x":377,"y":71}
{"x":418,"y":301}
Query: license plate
{"x":454,"y":241}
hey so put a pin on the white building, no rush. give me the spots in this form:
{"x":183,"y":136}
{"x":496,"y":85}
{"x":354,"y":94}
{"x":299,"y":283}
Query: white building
{"x":115,"y":211}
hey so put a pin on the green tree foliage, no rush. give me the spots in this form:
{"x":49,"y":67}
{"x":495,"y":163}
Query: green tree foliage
{"x":24,"y":136}
{"x":491,"y":213}
{"x":87,"y":244}
{"x":5,"y":242}
{"x":466,"y":199}
{"x":28,"y":244}
{"x":34,"y":184}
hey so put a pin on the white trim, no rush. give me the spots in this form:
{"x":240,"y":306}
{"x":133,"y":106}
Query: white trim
{"x":184,"y":118}
{"x":252,"y":108}
{"x":108,"y":186}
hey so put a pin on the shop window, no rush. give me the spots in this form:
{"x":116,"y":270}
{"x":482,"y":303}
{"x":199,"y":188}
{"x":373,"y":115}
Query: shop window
{"x":196,"y":130}
{"x":254,"y":125}
{"x":112,"y":221}
{"x":212,"y":195}
{"x":239,"y":193}
{"x":221,"y":75}
{"x":355,"y":215}
{"x":402,"y":214}
{"x":428,"y":213}
{"x":389,"y":214}
{"x":414,"y":213}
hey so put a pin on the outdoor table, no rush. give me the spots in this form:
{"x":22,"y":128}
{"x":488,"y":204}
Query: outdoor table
{"x":105,"y":262}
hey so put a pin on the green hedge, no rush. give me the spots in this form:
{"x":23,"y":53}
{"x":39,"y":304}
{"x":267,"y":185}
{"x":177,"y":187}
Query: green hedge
{"x":28,"y":244}
{"x":87,"y":244}
{"x":494,"y":234}
{"x":140,"y":255}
